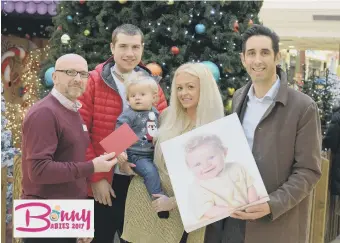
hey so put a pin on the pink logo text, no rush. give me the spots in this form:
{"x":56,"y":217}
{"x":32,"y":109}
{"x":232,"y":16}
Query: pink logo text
{"x":45,"y":209}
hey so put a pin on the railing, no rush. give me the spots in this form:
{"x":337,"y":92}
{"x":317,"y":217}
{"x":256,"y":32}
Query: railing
{"x":3,"y":202}
{"x":332,"y":214}
{"x":333,"y":220}
{"x":325,"y":223}
{"x":17,"y":174}
{"x":319,"y":205}
{"x":16,"y":180}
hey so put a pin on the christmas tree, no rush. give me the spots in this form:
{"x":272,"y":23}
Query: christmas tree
{"x":7,"y":157}
{"x":320,"y":89}
{"x":175,"y":32}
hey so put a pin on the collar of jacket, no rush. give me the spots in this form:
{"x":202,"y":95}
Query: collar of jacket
{"x":282,"y":96}
{"x":108,"y":79}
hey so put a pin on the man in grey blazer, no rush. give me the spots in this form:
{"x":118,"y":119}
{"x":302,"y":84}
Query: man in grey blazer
{"x":282,"y":127}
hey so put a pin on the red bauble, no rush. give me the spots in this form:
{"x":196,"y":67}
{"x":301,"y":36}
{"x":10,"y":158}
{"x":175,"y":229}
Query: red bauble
{"x":175,"y":50}
{"x":81,"y":1}
{"x":236,"y":26}
{"x":59,"y":27}
{"x":26,"y":88}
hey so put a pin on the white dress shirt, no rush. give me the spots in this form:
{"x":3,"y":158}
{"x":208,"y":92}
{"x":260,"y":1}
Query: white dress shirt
{"x":255,"y":110}
{"x":121,"y":88}
{"x":73,"y":106}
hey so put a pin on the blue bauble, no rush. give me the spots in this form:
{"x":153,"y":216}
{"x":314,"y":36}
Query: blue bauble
{"x":320,"y":81}
{"x":69,"y":18}
{"x":200,"y":28}
{"x":48,"y":77}
{"x":214,"y":69}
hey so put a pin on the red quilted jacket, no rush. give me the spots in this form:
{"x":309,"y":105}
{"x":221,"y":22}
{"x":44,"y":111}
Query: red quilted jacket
{"x":101,"y":106}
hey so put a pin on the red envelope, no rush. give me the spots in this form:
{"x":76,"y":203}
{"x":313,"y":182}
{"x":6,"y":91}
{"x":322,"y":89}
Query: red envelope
{"x":119,"y":140}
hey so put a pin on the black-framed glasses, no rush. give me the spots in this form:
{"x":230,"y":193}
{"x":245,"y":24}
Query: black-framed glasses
{"x":74,"y":73}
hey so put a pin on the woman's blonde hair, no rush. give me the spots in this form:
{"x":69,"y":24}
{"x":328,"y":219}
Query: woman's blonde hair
{"x":209,"y":107}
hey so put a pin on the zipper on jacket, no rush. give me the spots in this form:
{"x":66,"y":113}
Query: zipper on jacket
{"x":113,"y":88}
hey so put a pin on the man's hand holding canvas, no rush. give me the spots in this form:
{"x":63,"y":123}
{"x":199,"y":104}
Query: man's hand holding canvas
{"x":253,"y":212}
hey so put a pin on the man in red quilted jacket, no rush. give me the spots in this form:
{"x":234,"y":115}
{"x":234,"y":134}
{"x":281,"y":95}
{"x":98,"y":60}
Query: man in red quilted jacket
{"x":102,"y":103}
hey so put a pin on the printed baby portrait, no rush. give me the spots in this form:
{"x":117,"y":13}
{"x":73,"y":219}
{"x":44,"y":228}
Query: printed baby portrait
{"x":213,"y":172}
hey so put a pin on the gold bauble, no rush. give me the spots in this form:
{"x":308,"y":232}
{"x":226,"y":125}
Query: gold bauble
{"x":86,"y":32}
{"x":320,"y":86}
{"x":231,"y":91}
{"x":228,"y":106}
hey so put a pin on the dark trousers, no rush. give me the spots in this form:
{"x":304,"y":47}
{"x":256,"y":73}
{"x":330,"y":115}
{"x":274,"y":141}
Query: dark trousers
{"x":184,"y":237}
{"x":228,"y":230}
{"x":109,"y":220}
{"x":50,"y":240}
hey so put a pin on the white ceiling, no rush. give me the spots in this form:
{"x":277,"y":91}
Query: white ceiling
{"x":293,"y":22}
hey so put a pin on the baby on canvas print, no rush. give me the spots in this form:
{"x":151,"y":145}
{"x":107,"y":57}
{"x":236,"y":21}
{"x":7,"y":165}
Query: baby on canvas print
{"x":219,"y":186}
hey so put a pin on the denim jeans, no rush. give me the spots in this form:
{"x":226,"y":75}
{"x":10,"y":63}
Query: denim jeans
{"x":146,"y":168}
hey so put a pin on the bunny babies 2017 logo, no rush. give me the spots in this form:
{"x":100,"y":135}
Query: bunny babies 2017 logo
{"x":53,"y":218}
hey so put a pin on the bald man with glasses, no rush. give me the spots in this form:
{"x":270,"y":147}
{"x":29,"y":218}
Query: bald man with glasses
{"x":54,"y":142}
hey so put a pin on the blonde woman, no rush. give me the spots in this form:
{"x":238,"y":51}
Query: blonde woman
{"x":195,"y":100}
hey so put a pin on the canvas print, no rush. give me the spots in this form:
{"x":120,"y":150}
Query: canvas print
{"x":213,"y":172}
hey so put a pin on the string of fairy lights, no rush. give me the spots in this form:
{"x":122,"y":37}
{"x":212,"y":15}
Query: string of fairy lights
{"x":31,"y":85}
{"x":190,"y":34}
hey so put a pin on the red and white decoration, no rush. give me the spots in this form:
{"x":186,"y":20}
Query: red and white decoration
{"x":7,"y":64}
{"x":151,"y":127}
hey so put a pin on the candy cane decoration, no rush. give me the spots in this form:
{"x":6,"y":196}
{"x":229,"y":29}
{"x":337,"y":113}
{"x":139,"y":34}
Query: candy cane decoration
{"x":6,"y":68}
